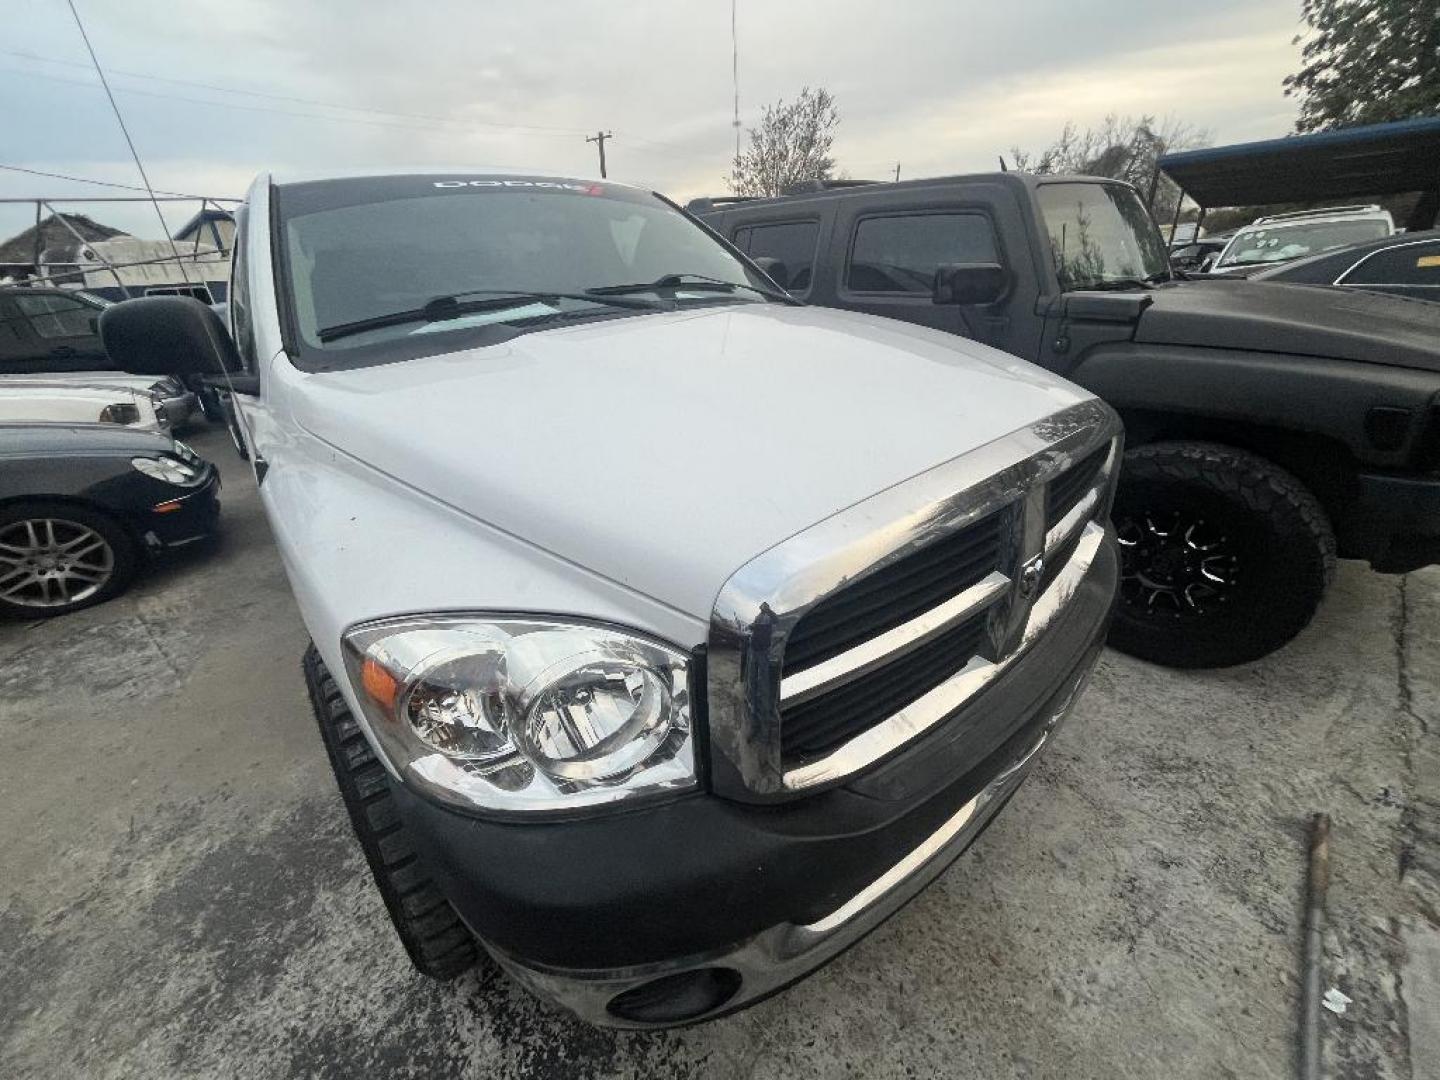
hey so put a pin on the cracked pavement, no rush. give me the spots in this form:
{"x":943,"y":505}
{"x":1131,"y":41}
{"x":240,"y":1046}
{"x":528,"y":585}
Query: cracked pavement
{"x":181,"y":894}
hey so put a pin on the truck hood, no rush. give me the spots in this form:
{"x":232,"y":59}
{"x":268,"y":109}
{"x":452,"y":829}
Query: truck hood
{"x":1305,"y":320}
{"x":664,"y":450}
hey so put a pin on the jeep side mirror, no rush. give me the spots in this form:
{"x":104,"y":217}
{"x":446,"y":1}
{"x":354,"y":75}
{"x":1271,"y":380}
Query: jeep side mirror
{"x":774,"y":269}
{"x":167,"y":335}
{"x":969,"y":283}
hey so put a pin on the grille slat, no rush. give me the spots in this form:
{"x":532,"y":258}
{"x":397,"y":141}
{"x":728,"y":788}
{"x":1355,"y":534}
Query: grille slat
{"x":1067,"y":489}
{"x":824,"y":722}
{"x":842,"y":630}
{"x":893,"y":595}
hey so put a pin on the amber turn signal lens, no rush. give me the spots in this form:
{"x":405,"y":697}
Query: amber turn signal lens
{"x":379,"y":683}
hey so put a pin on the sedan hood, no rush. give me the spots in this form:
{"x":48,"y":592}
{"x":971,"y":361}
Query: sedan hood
{"x":664,"y":450}
{"x":1304,"y":320}
{"x":40,"y":439}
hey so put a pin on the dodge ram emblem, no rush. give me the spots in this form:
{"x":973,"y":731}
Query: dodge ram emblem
{"x":1030,"y":575}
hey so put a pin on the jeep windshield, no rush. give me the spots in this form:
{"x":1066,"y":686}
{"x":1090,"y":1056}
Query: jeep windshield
{"x":1101,"y":235}
{"x":1283,"y":242}
{"x":386,"y":268}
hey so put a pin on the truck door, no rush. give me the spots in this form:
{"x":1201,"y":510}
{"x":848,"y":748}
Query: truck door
{"x":887,"y":248}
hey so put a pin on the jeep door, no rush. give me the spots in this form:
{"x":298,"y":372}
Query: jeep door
{"x":885,"y":251}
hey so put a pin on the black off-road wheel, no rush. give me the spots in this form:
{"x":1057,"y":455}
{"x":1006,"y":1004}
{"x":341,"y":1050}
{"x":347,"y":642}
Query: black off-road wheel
{"x":439,"y":944}
{"x":1224,"y":555}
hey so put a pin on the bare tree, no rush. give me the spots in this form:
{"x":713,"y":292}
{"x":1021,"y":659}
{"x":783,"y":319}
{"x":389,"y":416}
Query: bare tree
{"x":791,"y":144}
{"x":1122,"y":148}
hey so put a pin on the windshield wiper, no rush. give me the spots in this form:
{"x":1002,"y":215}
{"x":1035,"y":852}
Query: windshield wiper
{"x":441,"y":308}
{"x":696,"y":282}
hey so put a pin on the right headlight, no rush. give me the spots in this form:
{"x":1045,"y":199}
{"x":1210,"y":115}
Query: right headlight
{"x":524,"y":714}
{"x":171,"y":470}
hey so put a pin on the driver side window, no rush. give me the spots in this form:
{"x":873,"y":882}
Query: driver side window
{"x":901,"y":254}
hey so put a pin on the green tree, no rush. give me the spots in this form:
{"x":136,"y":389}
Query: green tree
{"x":1366,"y":62}
{"x":792,"y":144}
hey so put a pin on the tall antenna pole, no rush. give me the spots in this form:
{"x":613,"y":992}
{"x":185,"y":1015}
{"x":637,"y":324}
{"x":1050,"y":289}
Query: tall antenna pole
{"x":735,"y":75}
{"x":897,"y":172}
{"x":599,"y":139}
{"x":164,"y":228}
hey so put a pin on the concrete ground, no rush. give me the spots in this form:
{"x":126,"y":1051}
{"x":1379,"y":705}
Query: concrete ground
{"x":181,"y":895}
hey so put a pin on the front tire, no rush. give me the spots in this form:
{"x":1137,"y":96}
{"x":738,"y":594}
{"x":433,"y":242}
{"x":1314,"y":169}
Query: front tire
{"x":1224,"y":555}
{"x":57,"y":557}
{"x":437,"y":941}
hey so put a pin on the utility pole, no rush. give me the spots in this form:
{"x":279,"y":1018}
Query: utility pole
{"x":897,"y":172}
{"x":599,"y":140}
{"x":735,"y":75}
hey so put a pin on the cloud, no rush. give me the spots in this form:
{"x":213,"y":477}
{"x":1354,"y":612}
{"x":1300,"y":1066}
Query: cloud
{"x":940,"y":85}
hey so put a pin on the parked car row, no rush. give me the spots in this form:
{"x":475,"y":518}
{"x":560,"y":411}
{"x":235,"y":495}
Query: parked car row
{"x":93,"y":482}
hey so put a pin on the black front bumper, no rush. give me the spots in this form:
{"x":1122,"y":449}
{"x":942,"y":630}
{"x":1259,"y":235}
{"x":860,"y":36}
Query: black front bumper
{"x":173,"y":517}
{"x":695,"y":876}
{"x":1393,"y":522}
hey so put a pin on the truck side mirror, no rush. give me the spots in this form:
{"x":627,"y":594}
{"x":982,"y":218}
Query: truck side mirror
{"x":167,"y":335}
{"x":969,"y":283}
{"x":774,"y":269}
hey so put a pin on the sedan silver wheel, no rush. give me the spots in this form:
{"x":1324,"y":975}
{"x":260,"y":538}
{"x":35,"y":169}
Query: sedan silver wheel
{"x":51,"y":562}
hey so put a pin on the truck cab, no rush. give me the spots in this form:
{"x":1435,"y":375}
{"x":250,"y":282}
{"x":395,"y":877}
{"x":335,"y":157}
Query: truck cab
{"x":1269,"y":427}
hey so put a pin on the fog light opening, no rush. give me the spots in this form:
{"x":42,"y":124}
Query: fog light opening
{"x":673,"y":999}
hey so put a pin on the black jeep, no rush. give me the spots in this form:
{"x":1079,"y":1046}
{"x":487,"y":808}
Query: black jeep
{"x":1269,"y":427}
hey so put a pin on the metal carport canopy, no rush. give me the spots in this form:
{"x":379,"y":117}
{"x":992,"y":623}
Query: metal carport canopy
{"x":1378,"y":159}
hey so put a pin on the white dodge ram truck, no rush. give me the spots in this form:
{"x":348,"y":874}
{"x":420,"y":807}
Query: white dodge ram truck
{"x":668,"y":634}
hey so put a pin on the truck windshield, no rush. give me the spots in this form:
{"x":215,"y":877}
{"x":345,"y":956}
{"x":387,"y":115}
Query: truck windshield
{"x":1100,"y":232}
{"x":1280,"y":243}
{"x":372,"y":267}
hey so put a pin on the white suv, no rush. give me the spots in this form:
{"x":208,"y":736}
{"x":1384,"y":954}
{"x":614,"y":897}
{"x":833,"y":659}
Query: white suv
{"x":668,"y":634}
{"x":1268,"y":241}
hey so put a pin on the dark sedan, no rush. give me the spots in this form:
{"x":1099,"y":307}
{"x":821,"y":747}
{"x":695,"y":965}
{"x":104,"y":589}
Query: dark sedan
{"x":83,"y":505}
{"x":1406,"y":264}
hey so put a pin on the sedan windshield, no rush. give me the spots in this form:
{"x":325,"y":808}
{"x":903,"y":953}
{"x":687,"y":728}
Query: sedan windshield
{"x":389,"y":267}
{"x":1280,"y":243}
{"x":1101,"y":233}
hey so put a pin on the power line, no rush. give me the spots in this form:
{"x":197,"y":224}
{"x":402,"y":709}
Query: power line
{"x":430,"y":117}
{"x":112,"y":184}
{"x":654,"y":145}
{"x":120,"y":119}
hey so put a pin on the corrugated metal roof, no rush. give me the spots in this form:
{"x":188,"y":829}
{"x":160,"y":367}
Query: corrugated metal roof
{"x":1378,"y":159}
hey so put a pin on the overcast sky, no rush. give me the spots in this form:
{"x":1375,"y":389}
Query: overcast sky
{"x":941,"y":86}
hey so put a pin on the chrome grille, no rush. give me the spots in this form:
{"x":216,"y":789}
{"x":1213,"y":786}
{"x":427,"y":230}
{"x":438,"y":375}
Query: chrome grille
{"x":839,"y":645}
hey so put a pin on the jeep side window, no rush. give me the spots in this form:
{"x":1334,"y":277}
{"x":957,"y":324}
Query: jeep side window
{"x":1405,"y":264}
{"x":793,"y":243}
{"x":241,"y":327}
{"x":900,"y":254}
